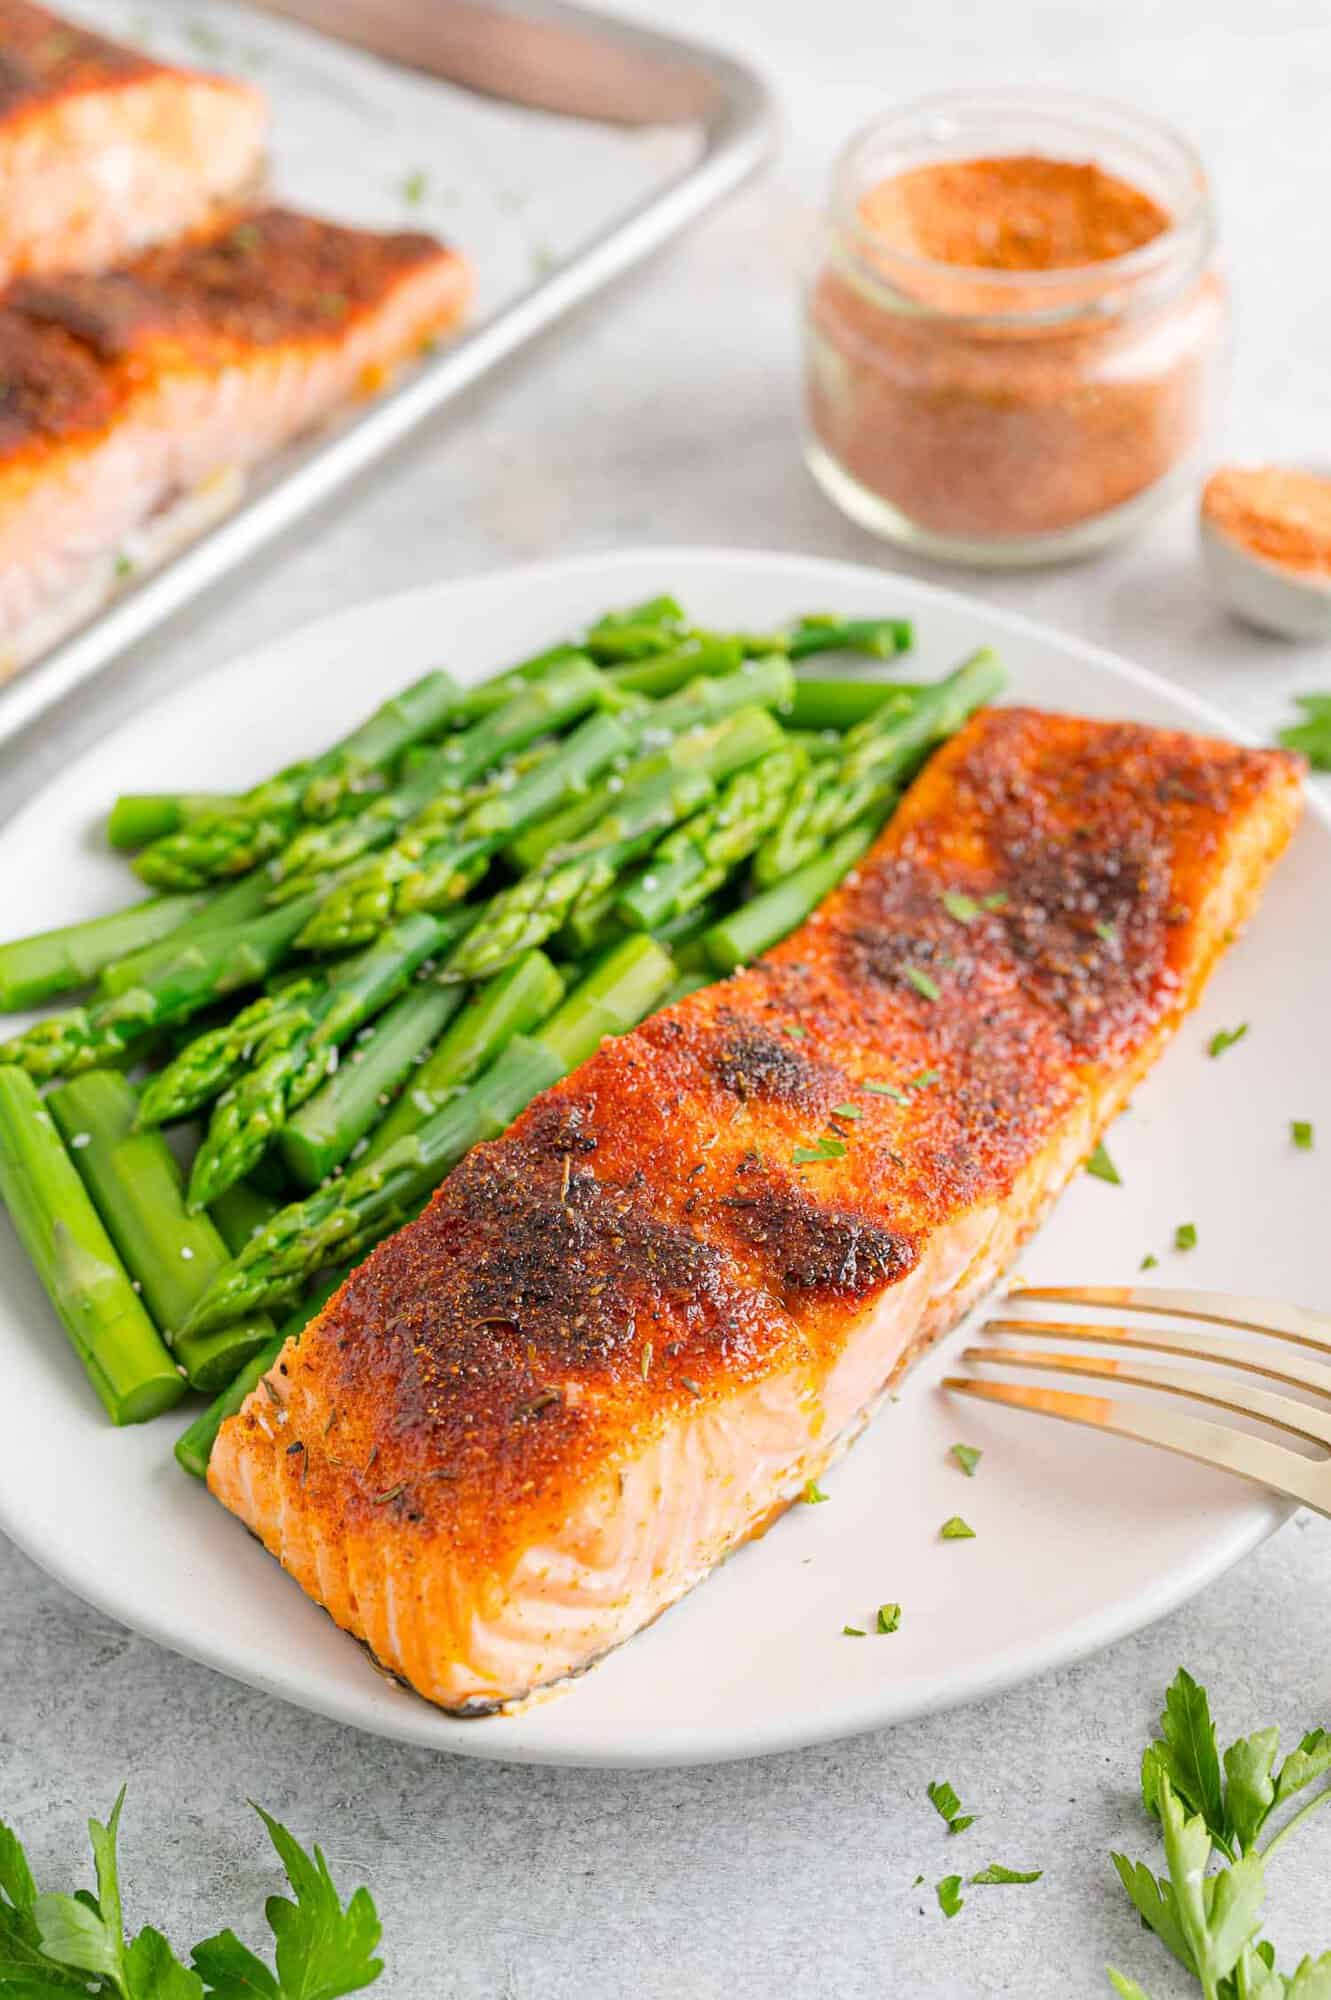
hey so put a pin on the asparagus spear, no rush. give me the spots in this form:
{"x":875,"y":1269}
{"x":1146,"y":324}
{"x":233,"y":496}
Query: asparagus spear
{"x":341,"y":1218}
{"x":511,"y":1004}
{"x":823,"y":703}
{"x":690,"y":864}
{"x":332,"y":1123}
{"x":138,"y":817}
{"x":300,"y":1049}
{"x":194,"y":1447}
{"x":83,"y":1038}
{"x":535,"y":908}
{"x":125,"y":1358}
{"x":244,"y":833}
{"x":212,"y":1061}
{"x":219,"y":910}
{"x":137,"y":1190}
{"x":880,"y":754}
{"x":666,"y":672}
{"x":757,"y":684}
{"x":239,"y":1211}
{"x":36,"y":968}
{"x":824,"y":632}
{"x":757,"y":925}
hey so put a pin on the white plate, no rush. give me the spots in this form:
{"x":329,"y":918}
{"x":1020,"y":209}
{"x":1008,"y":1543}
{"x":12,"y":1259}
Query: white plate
{"x":1078,"y":1538}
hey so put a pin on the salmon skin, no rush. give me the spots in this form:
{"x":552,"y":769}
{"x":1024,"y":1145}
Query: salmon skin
{"x":624,"y":1337}
{"x":103,"y":150}
{"x":121,"y":392}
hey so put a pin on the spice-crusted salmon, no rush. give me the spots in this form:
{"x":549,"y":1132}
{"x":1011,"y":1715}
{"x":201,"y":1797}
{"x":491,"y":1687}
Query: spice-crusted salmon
{"x":623,"y":1337}
{"x":103,"y":150}
{"x":120,"y":392}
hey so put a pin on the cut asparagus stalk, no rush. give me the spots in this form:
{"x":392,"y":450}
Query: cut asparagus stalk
{"x":240,"y":1211}
{"x":138,"y":817}
{"x":757,"y":925}
{"x":351,"y":1211}
{"x":37,"y":968}
{"x":821,"y":703}
{"x":137,"y":1189}
{"x":194,"y":1447}
{"x":260,"y":821}
{"x":330,"y":1125}
{"x":512,"y":1004}
{"x":124,"y":1356}
{"x":667,"y":672}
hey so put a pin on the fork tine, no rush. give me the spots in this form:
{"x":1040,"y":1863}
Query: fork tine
{"x":1301,"y":1419}
{"x":1310,"y":1329}
{"x":1271,"y":1362}
{"x":1230,"y":1450}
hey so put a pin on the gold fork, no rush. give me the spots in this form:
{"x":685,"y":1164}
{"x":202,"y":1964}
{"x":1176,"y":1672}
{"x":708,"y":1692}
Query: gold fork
{"x":1302,"y":1478}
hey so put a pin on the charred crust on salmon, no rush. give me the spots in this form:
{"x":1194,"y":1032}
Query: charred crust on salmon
{"x":43,"y":56}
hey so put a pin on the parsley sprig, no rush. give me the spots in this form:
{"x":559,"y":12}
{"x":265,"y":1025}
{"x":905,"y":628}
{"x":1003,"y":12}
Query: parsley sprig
{"x":1312,"y":736}
{"x":1208,"y":1804}
{"x":53,"y":1944}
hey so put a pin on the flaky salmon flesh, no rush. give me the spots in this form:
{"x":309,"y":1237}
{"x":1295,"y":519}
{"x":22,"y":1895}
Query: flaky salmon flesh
{"x":121,"y":392}
{"x":624,"y":1337}
{"x":103,"y":150}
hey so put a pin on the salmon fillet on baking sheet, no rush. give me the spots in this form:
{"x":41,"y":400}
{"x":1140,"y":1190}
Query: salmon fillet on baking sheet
{"x":121,"y":394}
{"x":103,"y":150}
{"x":623,"y":1337}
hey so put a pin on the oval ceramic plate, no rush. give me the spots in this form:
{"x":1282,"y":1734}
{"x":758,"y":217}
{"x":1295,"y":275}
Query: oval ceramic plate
{"x":1078,"y":1538}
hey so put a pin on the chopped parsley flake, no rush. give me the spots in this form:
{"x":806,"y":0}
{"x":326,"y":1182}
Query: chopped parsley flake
{"x":826,"y":1149}
{"x":889,"y":1617}
{"x":964,"y":908}
{"x":1149,"y":1261}
{"x":1106,"y":933}
{"x":853,"y":1632}
{"x":922,"y":1079}
{"x":886,"y":1090}
{"x":957,"y":1530}
{"x":1301,"y":1132}
{"x":1103,"y":1167}
{"x":415,"y":185}
{"x":950,"y":1898}
{"x":1185,"y":1236}
{"x":124,"y":567}
{"x":998,"y":901}
{"x":922,"y":983}
{"x":1225,"y":1038}
{"x":943,"y":1799}
{"x":847,"y":1111}
{"x":813,"y":1493}
{"x":967,"y":1457}
{"x":996,"y":1872}
{"x":796,"y":1034}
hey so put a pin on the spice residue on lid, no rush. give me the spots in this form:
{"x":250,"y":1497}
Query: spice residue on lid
{"x":1280,"y":513}
{"x":1020,"y":212}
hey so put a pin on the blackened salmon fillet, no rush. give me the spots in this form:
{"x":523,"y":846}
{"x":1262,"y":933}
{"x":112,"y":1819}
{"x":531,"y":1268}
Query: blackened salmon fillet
{"x":104,"y":150}
{"x":623,"y":1337}
{"x":123,"y":391}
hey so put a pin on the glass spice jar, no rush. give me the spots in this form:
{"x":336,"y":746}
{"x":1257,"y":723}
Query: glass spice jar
{"x":1015,"y":326}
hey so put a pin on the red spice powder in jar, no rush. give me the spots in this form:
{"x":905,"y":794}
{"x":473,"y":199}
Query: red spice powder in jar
{"x":1005,"y":352}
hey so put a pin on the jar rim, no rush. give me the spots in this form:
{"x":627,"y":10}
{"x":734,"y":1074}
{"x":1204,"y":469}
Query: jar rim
{"x":1190,"y":230}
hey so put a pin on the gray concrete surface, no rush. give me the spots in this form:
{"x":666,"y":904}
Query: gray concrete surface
{"x":667,"y":414}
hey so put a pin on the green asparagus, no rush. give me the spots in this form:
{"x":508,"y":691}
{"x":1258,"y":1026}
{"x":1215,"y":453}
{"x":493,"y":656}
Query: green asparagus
{"x":301,"y":1048}
{"x":514,"y":1003}
{"x":126,"y":1360}
{"x":194,"y":1447}
{"x":880,"y":754}
{"x":239,"y":1211}
{"x":138,"y":817}
{"x":691,"y":863}
{"x":823,"y":703}
{"x":330,"y":1126}
{"x":212,"y":1061}
{"x":535,"y":908}
{"x":341,"y":1218}
{"x":757,"y":925}
{"x":36,"y":968}
{"x":257,"y":824}
{"x":136,"y":1187}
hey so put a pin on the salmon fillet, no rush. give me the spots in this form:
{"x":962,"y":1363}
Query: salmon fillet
{"x":623,"y":1337}
{"x":103,"y":150}
{"x":121,"y":392}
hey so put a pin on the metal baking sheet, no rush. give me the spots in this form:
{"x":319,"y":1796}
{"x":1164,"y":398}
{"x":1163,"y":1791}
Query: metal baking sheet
{"x":556,"y":146}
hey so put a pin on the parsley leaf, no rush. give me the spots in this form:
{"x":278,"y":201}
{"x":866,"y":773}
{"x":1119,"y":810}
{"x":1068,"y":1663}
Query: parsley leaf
{"x":1225,"y":1038}
{"x":964,"y":908}
{"x":1312,"y":736}
{"x":82,"y":1932}
{"x":957,"y":1530}
{"x":1186,"y":1755}
{"x":922,"y":982}
{"x":1102,"y":1167}
{"x":825,"y":1149}
{"x":1301,"y":1132}
{"x":968,"y":1456}
{"x":943,"y":1799}
{"x":323,"y":1950}
{"x":1311,"y":1760}
{"x":950,"y":1898}
{"x":889,"y":1617}
{"x":996,"y":1872}
{"x":847,"y":1111}
{"x":1185,"y":1236}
